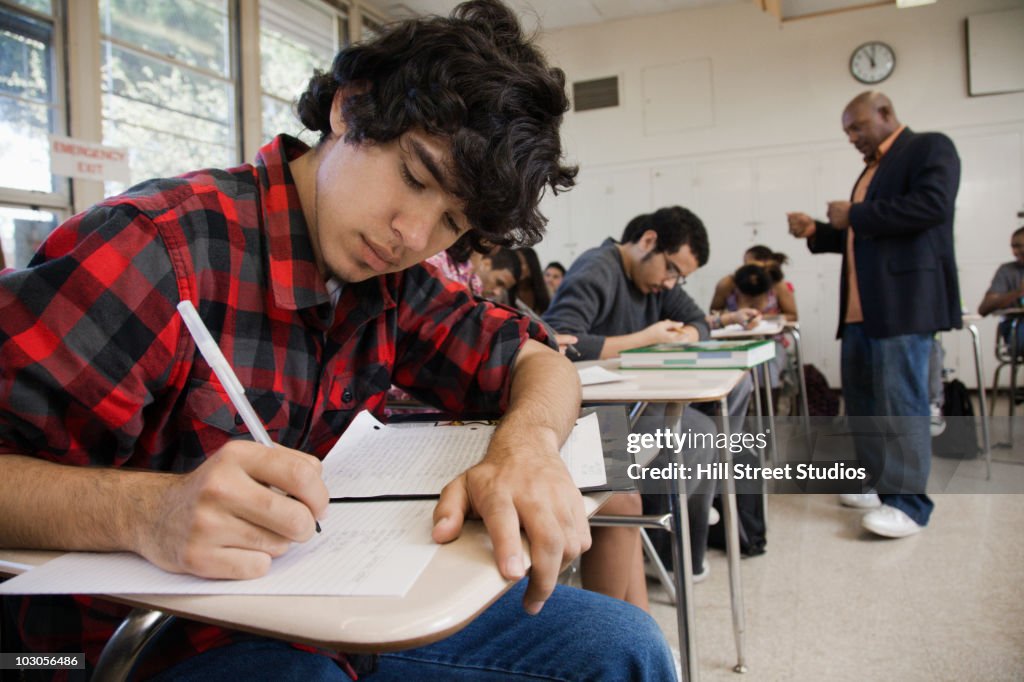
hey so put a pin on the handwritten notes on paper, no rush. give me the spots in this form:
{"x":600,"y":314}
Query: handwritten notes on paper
{"x":366,"y":548}
{"x":423,"y":458}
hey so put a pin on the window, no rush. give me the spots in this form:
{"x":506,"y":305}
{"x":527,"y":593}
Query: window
{"x":168,"y":86}
{"x":28,"y":110}
{"x":371,"y":27}
{"x":296,"y":38}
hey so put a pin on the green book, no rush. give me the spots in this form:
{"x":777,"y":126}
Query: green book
{"x":724,"y":354}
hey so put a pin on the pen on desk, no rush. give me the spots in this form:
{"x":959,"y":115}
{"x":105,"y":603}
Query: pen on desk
{"x":228,"y":379}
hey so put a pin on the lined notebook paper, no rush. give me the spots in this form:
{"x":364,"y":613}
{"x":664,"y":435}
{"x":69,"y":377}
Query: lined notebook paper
{"x":365,"y":549}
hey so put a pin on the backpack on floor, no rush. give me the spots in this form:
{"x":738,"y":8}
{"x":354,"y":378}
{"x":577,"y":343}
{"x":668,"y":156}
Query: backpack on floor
{"x":960,"y":439}
{"x":750,"y":510}
{"x":822,"y":401}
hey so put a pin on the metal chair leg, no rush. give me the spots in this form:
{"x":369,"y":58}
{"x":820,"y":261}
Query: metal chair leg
{"x":136,"y":632}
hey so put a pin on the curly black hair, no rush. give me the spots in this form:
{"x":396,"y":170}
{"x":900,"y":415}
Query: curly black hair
{"x":474,"y":80}
{"x":676,"y":227}
{"x":753,"y":280}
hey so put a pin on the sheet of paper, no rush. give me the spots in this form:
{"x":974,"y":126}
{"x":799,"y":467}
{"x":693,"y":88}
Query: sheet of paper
{"x":597,"y":375}
{"x":423,"y":458}
{"x":764,"y":327}
{"x":366,"y":549}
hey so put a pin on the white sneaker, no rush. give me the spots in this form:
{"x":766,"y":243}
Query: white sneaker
{"x":860,"y":500}
{"x":705,"y":571}
{"x":890,"y":522}
{"x":938,"y":423}
{"x":713,"y":516}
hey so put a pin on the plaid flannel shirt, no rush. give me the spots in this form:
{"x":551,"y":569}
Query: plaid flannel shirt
{"x":96,"y":367}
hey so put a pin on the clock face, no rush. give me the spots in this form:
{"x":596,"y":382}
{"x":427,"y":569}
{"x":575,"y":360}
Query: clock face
{"x":872,"y":62}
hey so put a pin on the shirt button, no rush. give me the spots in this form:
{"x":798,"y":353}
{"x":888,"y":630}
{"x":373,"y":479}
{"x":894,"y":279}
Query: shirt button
{"x":238,"y":419}
{"x":346,"y":396}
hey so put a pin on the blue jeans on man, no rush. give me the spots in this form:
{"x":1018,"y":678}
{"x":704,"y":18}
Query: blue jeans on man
{"x":578,"y":635}
{"x":885,"y":388}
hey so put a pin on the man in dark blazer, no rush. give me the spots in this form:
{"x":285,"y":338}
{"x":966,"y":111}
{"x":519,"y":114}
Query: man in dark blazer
{"x":898,"y":287}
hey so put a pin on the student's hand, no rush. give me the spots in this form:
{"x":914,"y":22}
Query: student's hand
{"x":670,"y":331}
{"x":800,"y":224}
{"x":748,"y":318}
{"x":839,"y":214}
{"x":520,"y":485}
{"x":564,"y":341}
{"x":222,"y":520}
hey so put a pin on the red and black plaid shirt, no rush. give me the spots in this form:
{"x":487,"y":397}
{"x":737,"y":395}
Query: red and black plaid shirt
{"x":96,"y":367}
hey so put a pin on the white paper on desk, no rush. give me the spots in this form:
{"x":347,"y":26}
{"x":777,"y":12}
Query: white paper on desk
{"x":597,"y":375}
{"x":365,"y":549}
{"x":768,"y":327}
{"x":422,"y":458}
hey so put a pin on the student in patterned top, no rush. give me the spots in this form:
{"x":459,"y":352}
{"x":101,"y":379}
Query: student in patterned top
{"x":305,"y":267}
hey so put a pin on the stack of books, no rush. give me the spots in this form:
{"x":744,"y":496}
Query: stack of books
{"x":737,"y":354}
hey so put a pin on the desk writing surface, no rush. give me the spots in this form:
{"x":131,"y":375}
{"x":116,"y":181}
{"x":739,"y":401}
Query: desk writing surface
{"x":769,"y":326}
{"x":460,"y":582}
{"x":661,"y":385}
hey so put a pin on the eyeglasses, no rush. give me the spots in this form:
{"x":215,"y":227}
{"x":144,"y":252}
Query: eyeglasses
{"x":673,"y":277}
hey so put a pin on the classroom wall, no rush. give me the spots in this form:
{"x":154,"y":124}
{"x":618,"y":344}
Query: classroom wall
{"x":726,"y":111}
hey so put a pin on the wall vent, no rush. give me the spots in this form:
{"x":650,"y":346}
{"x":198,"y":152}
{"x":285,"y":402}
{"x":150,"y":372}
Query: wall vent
{"x":595,"y":94}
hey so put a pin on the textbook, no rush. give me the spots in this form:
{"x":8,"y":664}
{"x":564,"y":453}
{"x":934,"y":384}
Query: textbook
{"x":735,"y":354}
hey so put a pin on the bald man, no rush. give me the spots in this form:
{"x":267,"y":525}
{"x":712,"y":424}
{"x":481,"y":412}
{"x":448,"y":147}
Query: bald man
{"x":898,"y":287}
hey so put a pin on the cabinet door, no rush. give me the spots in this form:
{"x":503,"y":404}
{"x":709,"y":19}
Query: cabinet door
{"x":674,"y":185}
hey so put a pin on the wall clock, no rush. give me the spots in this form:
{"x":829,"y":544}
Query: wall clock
{"x":872,"y":62}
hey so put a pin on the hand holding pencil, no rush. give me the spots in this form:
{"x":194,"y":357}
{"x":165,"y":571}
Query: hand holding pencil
{"x":228,"y":518}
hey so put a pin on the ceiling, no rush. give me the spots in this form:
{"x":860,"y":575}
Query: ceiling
{"x":553,"y":14}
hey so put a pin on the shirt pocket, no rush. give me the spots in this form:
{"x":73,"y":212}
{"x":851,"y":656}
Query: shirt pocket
{"x":209,"y":419}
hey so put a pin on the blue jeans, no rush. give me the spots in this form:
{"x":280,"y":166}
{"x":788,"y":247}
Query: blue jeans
{"x":1006,"y":331}
{"x":885,"y":388}
{"x":577,"y":636}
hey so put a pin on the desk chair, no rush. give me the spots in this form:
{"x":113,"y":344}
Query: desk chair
{"x":1006,"y":355}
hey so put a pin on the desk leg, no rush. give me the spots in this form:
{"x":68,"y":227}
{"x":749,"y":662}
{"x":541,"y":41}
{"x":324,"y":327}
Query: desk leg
{"x":133,"y":635}
{"x":732,"y":547}
{"x":761,"y":452}
{"x":682,"y":556}
{"x":805,"y":411}
{"x":771,"y":411}
{"x":1014,"y":332}
{"x":979,"y":372}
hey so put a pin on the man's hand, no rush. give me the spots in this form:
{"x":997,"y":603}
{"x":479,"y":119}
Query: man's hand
{"x":521,"y":485}
{"x":564,"y":341}
{"x":223,"y":520}
{"x":800,"y":224}
{"x":839,"y":214}
{"x":521,"y":482}
{"x":669,"y":331}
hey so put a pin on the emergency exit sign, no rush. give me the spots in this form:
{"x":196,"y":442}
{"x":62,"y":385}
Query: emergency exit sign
{"x":88,"y":160}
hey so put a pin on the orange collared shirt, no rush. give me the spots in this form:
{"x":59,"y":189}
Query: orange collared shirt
{"x":854,"y":313}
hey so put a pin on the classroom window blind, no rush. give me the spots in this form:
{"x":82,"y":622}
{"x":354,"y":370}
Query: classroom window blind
{"x":296,"y":37}
{"x":168,"y":87}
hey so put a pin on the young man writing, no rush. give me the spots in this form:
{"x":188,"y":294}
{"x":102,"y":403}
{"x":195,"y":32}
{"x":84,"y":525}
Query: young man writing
{"x":304,"y":267}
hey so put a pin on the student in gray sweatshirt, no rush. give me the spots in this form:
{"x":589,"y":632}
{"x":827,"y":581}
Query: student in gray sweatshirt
{"x":628,"y":294}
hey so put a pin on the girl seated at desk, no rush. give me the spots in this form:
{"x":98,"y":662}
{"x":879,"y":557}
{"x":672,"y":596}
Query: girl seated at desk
{"x":760,"y":288}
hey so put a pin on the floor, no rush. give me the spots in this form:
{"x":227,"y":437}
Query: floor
{"x":830,"y":602}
